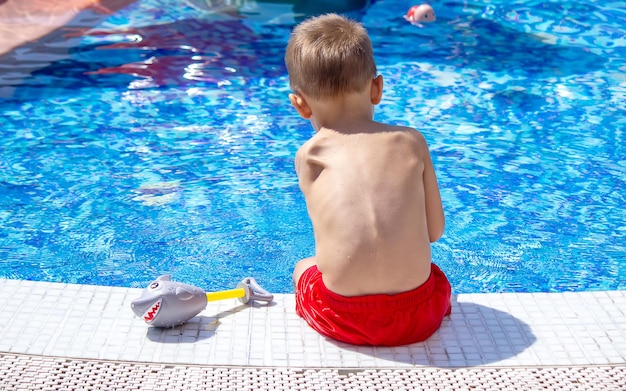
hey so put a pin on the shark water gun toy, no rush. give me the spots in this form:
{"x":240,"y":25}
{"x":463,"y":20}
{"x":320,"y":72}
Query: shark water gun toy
{"x":166,"y":303}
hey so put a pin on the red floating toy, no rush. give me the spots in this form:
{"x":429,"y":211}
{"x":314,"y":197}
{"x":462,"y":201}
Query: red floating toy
{"x":419,"y":14}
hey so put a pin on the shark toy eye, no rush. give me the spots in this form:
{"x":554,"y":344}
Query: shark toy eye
{"x":154,"y":285}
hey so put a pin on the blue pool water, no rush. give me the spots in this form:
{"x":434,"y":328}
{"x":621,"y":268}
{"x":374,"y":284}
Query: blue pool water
{"x":162,"y":141}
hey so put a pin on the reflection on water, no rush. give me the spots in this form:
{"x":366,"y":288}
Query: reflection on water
{"x":193,"y":50}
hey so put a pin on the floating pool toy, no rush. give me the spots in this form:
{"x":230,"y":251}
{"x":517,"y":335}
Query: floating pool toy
{"x":166,"y":303}
{"x":419,"y":14}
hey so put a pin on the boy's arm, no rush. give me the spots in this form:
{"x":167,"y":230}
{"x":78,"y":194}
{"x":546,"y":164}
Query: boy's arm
{"x":434,"y":209}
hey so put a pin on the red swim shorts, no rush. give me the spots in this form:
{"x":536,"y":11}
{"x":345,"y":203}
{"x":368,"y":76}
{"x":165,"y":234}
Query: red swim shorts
{"x":378,"y":320}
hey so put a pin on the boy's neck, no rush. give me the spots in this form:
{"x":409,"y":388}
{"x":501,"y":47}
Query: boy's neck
{"x":342,"y":113}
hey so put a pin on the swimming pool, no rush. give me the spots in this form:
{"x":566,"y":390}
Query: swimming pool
{"x":169,"y":148}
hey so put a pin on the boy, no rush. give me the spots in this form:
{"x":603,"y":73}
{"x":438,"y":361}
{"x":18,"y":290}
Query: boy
{"x":371,"y":193}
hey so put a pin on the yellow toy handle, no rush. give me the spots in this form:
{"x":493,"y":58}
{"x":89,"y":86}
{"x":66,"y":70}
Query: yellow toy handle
{"x":246,"y":290}
{"x":229,"y":294}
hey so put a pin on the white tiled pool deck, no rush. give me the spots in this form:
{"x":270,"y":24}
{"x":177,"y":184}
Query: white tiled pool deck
{"x":62,"y":336}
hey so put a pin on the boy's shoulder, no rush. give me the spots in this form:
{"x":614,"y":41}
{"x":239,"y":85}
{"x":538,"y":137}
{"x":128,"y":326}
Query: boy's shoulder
{"x":400,"y":129}
{"x":326,"y":140}
{"x":318,"y":140}
{"x":403,"y":133}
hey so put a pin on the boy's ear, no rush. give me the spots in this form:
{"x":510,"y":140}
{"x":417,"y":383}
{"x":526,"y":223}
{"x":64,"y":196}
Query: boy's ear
{"x":376,"y":91}
{"x":301,"y":106}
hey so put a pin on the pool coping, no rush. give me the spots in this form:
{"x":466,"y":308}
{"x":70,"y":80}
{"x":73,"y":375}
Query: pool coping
{"x":510,"y":333}
{"x":96,"y":322}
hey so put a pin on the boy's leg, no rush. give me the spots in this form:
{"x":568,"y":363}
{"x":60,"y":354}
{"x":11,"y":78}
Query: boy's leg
{"x":300,"y":267}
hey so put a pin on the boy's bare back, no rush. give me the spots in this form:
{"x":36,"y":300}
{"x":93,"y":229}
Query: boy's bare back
{"x":373,"y":199}
{"x":371,"y":193}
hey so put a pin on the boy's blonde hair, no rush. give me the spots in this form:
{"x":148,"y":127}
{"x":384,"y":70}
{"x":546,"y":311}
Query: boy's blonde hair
{"x":328,"y":56}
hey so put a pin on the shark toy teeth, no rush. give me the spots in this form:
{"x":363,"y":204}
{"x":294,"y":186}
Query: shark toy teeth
{"x":151,"y":313}
{"x":165,"y":303}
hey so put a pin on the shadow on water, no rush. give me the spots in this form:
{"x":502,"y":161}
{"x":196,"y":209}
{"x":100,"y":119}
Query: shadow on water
{"x":217,"y":45}
{"x":185,"y":52}
{"x":473,"y":335}
{"x":208,"y":52}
